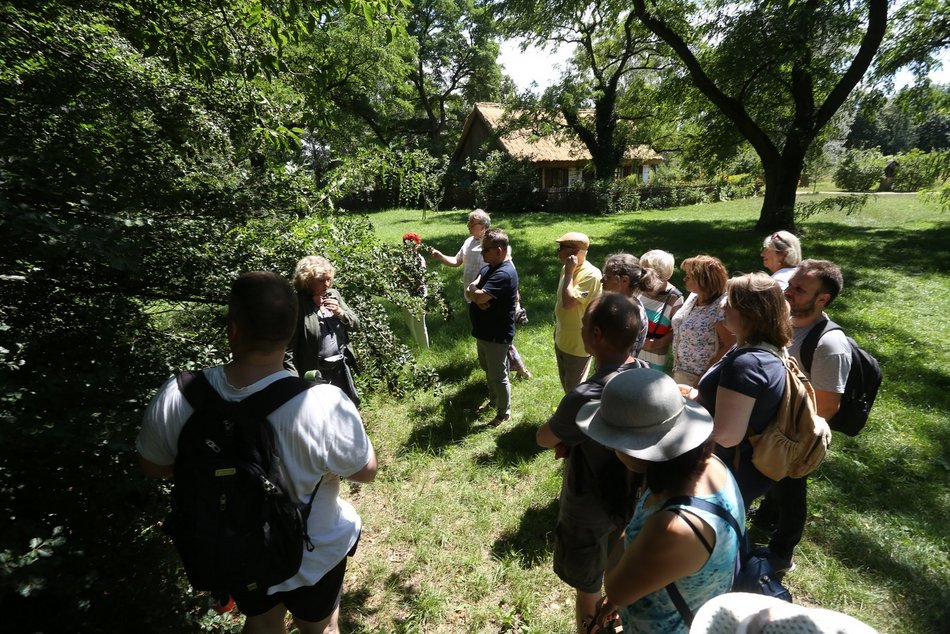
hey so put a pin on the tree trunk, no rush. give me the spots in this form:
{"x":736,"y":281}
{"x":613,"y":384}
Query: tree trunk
{"x":605,"y":162}
{"x":781,"y":182}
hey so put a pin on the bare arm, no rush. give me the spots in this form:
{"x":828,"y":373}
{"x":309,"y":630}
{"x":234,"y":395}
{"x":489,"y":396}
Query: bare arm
{"x":828,"y":403}
{"x":665,"y":550}
{"x":438,"y":256}
{"x":338,"y":307}
{"x":568,"y":300}
{"x":156,"y":471}
{"x":726,"y":341}
{"x":547,"y":438}
{"x":368,"y":472}
{"x":731,"y":421}
{"x":477,"y":296}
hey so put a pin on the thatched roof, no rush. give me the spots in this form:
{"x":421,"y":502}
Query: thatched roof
{"x":558,"y":147}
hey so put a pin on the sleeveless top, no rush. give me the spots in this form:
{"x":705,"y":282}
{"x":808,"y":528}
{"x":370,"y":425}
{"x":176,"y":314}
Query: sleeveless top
{"x":655,"y":612}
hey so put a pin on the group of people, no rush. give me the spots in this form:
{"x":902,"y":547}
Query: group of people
{"x":635,"y":440}
{"x":684,"y":436}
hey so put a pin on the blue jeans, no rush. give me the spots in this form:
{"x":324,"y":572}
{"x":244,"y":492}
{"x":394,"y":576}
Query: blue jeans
{"x":493,"y":359}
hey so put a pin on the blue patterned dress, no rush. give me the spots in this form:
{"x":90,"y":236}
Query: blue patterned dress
{"x":655,"y":612}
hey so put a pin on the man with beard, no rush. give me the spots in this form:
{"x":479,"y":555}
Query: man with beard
{"x":814,"y":286}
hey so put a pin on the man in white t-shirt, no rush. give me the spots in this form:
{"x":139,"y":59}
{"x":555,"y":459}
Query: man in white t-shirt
{"x":470,"y":254}
{"x":320,"y":438}
{"x":813,"y":287}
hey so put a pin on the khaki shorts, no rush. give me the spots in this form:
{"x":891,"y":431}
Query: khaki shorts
{"x":581,"y":553}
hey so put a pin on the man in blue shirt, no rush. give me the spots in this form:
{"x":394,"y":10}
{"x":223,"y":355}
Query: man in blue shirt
{"x":492,"y":311}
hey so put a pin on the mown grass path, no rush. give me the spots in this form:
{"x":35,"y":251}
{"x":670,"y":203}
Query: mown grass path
{"x":457,"y":534}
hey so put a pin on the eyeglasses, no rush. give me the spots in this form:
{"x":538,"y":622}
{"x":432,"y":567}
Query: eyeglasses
{"x":563,"y":247}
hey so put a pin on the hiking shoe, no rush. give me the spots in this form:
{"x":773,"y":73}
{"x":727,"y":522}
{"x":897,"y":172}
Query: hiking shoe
{"x":498,"y":420}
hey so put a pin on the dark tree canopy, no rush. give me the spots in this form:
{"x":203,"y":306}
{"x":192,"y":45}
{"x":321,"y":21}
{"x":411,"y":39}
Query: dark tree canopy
{"x":777,"y":71}
{"x":139,"y":174}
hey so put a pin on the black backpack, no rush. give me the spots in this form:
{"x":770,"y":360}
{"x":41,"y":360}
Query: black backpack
{"x":864,"y":380}
{"x":232,"y":521}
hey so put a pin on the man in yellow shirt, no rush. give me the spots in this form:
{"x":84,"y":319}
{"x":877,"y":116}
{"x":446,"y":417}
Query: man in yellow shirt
{"x":579,"y":285}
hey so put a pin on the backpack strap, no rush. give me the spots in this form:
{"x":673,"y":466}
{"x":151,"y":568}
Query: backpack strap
{"x":681,"y":606}
{"x":682,"y":513}
{"x":196,"y":389}
{"x":687,"y":500}
{"x":199,"y":393}
{"x":265,"y":401}
{"x":810,"y":344}
{"x":709,"y":507}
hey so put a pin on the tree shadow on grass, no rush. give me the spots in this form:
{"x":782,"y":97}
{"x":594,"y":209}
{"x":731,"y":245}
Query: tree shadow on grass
{"x":903,"y":485}
{"x":530,"y":544}
{"x":921,"y":590}
{"x":512,"y":447}
{"x":909,"y":251}
{"x":452,"y":419}
{"x":354,"y":607}
{"x":456,"y":372}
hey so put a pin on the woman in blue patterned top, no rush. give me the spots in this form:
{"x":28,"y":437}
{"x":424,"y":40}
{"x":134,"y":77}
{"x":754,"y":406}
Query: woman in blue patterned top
{"x":654,"y":430}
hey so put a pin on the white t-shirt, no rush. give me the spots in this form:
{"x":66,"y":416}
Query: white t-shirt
{"x":784,"y":276}
{"x":319,"y":435}
{"x":472,"y":262}
{"x":831,"y":363}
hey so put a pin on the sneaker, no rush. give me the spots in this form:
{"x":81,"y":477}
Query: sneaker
{"x":498,"y":420}
{"x":781,"y":565}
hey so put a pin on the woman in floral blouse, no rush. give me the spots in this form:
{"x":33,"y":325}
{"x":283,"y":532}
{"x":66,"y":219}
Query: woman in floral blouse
{"x":700,"y":337}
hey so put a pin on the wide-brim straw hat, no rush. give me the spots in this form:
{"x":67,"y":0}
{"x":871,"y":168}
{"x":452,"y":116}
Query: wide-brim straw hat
{"x":746,"y":613}
{"x":643,"y":414}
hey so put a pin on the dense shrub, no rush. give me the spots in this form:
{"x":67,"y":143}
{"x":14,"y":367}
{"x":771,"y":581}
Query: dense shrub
{"x":131,"y":195}
{"x":503,"y":183}
{"x":377,"y":178}
{"x":625,"y":196}
{"x":666,"y":197}
{"x":734,"y":186}
{"x":859,"y":170}
{"x":918,"y":170}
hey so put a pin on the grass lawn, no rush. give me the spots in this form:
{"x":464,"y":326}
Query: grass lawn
{"x":458,"y":526}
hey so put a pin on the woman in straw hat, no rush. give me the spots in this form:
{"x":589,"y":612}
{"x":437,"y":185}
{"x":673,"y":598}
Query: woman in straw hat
{"x":653,"y":430}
